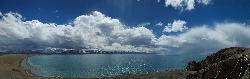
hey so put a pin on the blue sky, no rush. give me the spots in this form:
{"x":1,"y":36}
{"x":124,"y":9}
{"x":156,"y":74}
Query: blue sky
{"x":214,"y":15}
{"x":130,"y":12}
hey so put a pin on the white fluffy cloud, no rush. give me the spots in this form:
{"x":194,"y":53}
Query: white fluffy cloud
{"x":99,"y":31}
{"x":176,"y":26}
{"x":87,"y":31}
{"x":185,"y":4}
{"x":205,"y":39}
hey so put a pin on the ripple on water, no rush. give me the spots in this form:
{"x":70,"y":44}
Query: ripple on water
{"x":98,"y":65}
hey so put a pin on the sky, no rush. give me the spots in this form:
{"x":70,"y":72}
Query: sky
{"x":168,"y":26}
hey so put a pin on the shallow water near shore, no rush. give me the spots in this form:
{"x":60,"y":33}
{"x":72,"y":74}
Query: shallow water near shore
{"x":98,"y":65}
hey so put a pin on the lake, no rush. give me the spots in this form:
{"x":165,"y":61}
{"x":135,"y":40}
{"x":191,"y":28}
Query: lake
{"x":98,"y":65}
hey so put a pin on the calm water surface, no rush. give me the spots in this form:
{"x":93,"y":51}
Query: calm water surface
{"x":98,"y":65}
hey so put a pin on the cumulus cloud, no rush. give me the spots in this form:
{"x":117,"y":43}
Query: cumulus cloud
{"x":205,"y":39}
{"x":185,"y":4}
{"x":87,"y":31}
{"x":96,"y":30}
{"x":176,"y":26}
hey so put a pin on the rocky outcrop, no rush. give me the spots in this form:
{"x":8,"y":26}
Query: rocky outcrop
{"x":229,"y":63}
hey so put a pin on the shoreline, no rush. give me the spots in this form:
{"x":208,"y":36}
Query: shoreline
{"x":11,"y":67}
{"x":27,"y":69}
{"x":226,"y":59}
{"x":28,"y":72}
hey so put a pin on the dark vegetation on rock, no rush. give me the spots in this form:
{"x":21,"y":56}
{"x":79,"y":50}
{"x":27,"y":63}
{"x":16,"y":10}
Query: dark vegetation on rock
{"x":228,"y":63}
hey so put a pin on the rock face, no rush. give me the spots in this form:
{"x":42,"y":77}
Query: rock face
{"x":229,"y":63}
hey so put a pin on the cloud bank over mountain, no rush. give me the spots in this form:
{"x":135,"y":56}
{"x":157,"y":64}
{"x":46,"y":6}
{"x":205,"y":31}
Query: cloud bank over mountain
{"x":87,"y":31}
{"x":95,"y":30}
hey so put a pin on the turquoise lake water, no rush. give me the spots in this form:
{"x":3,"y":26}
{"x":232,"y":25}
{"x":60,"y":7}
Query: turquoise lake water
{"x":98,"y":65}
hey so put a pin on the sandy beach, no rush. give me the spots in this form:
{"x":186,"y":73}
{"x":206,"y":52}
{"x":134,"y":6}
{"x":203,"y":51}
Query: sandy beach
{"x":11,"y":67}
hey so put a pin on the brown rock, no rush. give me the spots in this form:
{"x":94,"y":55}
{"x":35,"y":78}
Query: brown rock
{"x":229,"y":63}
